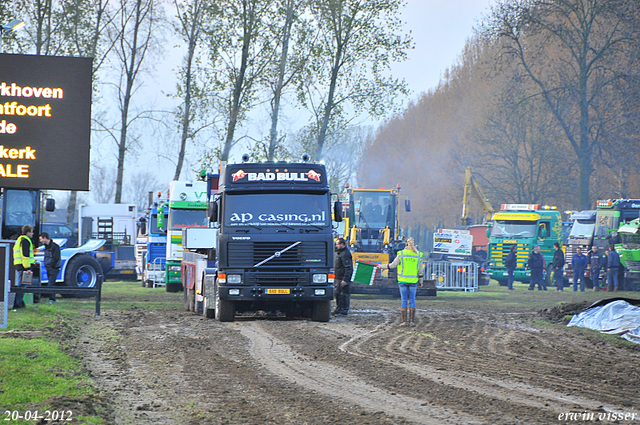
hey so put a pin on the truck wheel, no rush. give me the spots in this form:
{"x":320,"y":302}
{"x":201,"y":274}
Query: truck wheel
{"x":174,"y":287}
{"x":321,"y":311}
{"x":207,"y":312}
{"x":225,"y":311}
{"x":502,"y":282}
{"x":83,"y":271}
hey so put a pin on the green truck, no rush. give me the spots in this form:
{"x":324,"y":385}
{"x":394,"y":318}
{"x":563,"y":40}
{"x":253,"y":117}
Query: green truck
{"x":523,"y":225}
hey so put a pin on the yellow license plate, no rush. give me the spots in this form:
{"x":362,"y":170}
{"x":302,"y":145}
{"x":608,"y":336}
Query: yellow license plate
{"x":277,"y":291}
{"x":127,"y":272}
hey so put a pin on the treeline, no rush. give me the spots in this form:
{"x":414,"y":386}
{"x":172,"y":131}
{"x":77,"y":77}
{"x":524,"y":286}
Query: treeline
{"x":543,"y":104}
{"x":323,"y":59}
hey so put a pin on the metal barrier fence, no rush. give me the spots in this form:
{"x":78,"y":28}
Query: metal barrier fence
{"x":453,"y":275}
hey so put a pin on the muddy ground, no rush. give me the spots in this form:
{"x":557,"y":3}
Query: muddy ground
{"x":457,"y":366}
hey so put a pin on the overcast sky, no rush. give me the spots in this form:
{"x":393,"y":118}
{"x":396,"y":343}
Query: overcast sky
{"x":439,"y":29}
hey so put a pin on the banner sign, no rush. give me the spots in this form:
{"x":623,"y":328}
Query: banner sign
{"x":45,"y":122}
{"x":449,"y":241}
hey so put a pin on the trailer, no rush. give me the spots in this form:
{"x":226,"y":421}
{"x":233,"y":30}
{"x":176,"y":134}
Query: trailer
{"x":116,"y":225}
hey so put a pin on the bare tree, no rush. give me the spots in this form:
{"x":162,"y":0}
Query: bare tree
{"x":245,"y":54}
{"x":568,"y":49}
{"x":134,"y":31}
{"x":140,"y":184}
{"x":102,"y":183}
{"x":358,"y":41}
{"x":192,"y":17}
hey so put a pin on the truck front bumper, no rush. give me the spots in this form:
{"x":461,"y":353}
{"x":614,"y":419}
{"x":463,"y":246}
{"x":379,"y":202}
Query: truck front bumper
{"x":275,"y":293}
{"x":518,"y":275}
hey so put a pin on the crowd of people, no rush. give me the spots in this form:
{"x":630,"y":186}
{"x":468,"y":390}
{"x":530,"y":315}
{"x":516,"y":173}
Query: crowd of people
{"x":594,"y":262}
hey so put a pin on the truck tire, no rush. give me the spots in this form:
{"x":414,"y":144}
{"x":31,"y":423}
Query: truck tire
{"x":321,"y":311}
{"x":207,"y":312}
{"x":225,"y":310}
{"x":502,"y":282}
{"x":174,"y":287}
{"x":83,"y":271}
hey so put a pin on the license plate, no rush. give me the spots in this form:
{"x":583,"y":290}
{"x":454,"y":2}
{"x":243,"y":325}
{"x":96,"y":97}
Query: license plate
{"x":277,"y":291}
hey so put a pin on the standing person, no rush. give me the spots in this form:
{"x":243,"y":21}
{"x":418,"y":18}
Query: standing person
{"x":510,"y":264}
{"x":344,"y":270}
{"x":579,"y":263}
{"x":23,"y":260}
{"x":52,"y":261}
{"x":557,"y":263}
{"x":613,"y":264}
{"x":596,"y":261}
{"x":409,"y":264}
{"x":536,"y":264}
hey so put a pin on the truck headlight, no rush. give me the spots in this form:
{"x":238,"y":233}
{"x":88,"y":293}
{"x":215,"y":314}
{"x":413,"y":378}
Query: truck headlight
{"x":234,"y":278}
{"x":319,"y":278}
{"x":319,"y":292}
{"x":234,"y":291}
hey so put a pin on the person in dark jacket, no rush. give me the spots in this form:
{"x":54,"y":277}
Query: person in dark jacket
{"x":536,"y":264}
{"x":52,"y":261}
{"x":510,"y":264}
{"x":596,"y":262}
{"x":344,"y":270}
{"x":557,"y":264}
{"x":613,"y":264}
{"x":579,"y":264}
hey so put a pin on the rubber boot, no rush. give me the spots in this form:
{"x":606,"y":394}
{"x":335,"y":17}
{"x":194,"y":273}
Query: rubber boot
{"x":403,"y":316}
{"x":412,"y":316}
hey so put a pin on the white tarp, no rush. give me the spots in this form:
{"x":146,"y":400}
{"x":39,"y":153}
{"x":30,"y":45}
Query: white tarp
{"x":616,"y":317}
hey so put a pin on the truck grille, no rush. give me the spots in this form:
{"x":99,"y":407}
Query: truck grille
{"x":247,"y":254}
{"x":277,"y":279}
{"x":498,"y":254}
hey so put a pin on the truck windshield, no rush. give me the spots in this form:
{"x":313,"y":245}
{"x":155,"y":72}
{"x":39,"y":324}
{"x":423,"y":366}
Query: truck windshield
{"x":153,"y":225}
{"x":605,"y":223}
{"x":582,"y":229}
{"x":372,"y":209}
{"x":180,"y":219}
{"x":514,"y":229}
{"x":21,"y":207}
{"x":276,"y":209}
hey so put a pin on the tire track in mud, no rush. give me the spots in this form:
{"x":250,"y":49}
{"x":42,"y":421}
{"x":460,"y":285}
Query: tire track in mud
{"x":122,"y":374}
{"x":505,"y":390}
{"x":281,"y":360}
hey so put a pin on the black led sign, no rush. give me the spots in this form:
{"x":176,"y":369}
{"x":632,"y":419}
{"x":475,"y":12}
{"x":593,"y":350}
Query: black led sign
{"x":45,"y":122}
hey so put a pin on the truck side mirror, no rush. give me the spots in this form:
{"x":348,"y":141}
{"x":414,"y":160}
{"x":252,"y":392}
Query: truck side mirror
{"x":407,"y":205}
{"x":543,"y":233}
{"x":212,"y":211}
{"x":337,"y":211}
{"x":488,"y":231}
{"x":50,"y":204}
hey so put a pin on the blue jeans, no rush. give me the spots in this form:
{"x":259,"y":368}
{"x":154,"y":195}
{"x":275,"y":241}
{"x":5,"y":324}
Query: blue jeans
{"x":558,"y":278}
{"x":408,"y":292}
{"x":595,"y":278}
{"x":536,"y":277}
{"x":612,"y":278}
{"x":578,"y":275}
{"x":19,"y":300}
{"x":510,"y":278}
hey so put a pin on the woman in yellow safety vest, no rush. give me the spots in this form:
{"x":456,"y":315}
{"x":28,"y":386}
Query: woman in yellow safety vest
{"x":23,"y":260}
{"x":409,"y":264}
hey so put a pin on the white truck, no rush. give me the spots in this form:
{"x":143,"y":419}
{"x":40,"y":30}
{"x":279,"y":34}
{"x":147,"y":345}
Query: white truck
{"x":116,"y":224}
{"x":187,"y":210}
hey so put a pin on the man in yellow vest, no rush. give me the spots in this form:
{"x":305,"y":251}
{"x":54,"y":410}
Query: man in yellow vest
{"x":23,"y":259}
{"x":409,"y":264}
